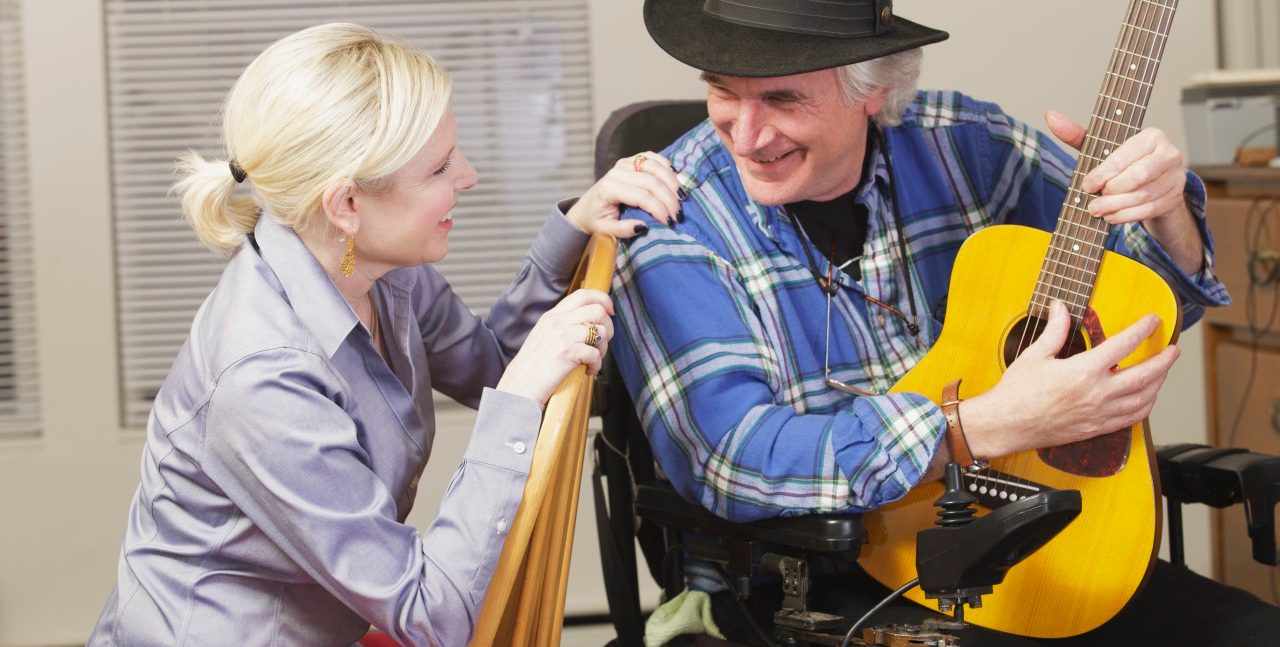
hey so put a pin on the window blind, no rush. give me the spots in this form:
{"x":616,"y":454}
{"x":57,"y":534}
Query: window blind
{"x":19,"y":387}
{"x":521,"y":95}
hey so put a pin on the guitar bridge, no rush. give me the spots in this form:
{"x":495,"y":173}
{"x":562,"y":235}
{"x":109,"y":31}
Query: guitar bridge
{"x":994,"y":489}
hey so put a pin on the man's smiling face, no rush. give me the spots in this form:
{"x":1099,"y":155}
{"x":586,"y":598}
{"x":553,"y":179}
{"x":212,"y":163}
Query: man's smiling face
{"x":792,"y":137}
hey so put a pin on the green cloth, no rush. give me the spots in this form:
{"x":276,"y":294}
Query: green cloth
{"x":687,"y":613}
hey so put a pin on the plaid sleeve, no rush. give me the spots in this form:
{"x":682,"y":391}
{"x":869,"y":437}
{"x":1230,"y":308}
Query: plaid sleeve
{"x":692,"y":349}
{"x":1195,"y":291}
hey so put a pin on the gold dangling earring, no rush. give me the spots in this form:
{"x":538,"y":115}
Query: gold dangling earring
{"x":348,"y":265}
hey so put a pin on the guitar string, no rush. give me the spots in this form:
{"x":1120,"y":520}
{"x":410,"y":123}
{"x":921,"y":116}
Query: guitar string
{"x":1146,"y":29}
{"x":1108,"y":132}
{"x":1047,"y":287}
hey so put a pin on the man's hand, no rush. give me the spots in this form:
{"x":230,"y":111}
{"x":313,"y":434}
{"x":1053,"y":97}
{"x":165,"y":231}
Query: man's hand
{"x":1043,"y":401}
{"x":1142,"y":180}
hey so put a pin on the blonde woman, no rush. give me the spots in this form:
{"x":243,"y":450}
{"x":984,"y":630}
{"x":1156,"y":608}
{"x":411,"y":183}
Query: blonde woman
{"x":284,"y":449}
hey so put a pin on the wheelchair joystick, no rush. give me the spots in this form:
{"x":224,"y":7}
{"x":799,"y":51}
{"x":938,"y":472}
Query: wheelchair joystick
{"x":956,"y":504}
{"x":962,"y":558}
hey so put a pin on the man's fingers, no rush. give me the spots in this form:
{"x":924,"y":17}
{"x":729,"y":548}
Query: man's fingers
{"x":1164,"y":193}
{"x":1065,"y":129}
{"x":1110,"y":352}
{"x":1055,"y":332}
{"x":1148,"y":374}
{"x":1115,"y":162}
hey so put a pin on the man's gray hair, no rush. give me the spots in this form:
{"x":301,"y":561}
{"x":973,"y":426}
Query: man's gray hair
{"x":896,"y":73}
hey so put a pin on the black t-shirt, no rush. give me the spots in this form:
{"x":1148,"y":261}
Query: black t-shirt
{"x":841,"y":221}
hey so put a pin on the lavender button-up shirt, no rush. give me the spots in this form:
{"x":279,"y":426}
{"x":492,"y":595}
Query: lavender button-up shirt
{"x":283,"y":454}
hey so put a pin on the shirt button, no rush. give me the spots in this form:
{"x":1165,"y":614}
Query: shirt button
{"x":880,"y":318}
{"x":502,"y":525}
{"x":517,"y":447}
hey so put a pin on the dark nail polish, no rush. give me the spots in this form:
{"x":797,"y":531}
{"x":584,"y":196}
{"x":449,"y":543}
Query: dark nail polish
{"x":642,"y":229}
{"x":680,"y":216}
{"x":682,"y":194}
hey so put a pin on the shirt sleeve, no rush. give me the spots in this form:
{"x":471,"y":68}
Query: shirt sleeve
{"x":709,"y":391}
{"x":1029,"y":186}
{"x":282,"y":447}
{"x":1195,"y":291}
{"x":468,"y":353}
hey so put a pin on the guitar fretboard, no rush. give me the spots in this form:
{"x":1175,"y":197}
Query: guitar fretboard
{"x":1070,"y":267}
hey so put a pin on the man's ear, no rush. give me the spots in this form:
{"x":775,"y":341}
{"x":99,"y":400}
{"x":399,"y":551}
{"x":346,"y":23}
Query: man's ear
{"x":339,"y":204}
{"x":875,"y":102}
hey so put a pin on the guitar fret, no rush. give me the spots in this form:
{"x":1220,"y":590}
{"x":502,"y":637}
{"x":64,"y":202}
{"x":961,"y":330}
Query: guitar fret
{"x":1087,"y":284}
{"x":1067,"y":271}
{"x":1156,"y":33}
{"x":1077,"y":310}
{"x":1065,"y":290}
{"x":1139,"y":106}
{"x":1085,"y":257}
{"x":1080,"y":241}
{"x":1099,"y":138}
{"x":1153,"y":60}
{"x":1129,"y":78}
{"x":1122,"y":123}
{"x":1081,"y":210}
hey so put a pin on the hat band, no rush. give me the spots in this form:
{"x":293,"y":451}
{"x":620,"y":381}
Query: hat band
{"x":835,"y":18}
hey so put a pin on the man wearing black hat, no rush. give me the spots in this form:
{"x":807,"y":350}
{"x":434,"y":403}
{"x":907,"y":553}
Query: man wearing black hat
{"x":759,"y":336}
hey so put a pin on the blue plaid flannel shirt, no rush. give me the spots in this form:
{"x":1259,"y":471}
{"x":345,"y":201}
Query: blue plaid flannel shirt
{"x":720,"y":325}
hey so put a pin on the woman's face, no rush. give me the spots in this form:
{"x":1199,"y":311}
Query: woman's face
{"x":408,"y":222}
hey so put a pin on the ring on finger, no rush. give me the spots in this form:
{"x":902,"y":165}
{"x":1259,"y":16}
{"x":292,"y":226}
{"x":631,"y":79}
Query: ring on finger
{"x":593,"y":333}
{"x":637,"y":163}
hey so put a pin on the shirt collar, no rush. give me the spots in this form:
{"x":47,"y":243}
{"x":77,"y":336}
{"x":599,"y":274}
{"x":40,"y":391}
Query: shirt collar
{"x":306,"y":285}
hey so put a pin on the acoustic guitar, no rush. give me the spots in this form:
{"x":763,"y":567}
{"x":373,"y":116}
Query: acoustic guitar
{"x":1003,"y":281}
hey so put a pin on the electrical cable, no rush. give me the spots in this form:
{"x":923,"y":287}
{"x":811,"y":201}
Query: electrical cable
{"x":848,"y":637}
{"x":1253,"y":237}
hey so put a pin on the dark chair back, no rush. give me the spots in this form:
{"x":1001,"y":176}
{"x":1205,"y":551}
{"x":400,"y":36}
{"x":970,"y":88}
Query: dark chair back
{"x":623,"y":458}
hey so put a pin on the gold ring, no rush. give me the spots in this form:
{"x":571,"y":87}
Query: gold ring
{"x":637,"y":163}
{"x":593,"y":333}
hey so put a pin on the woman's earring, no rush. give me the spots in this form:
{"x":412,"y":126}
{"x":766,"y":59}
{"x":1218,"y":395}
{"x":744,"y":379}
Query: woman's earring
{"x":348,"y":265}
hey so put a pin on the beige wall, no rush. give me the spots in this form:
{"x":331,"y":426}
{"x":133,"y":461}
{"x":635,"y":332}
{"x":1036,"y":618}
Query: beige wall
{"x":63,"y":497}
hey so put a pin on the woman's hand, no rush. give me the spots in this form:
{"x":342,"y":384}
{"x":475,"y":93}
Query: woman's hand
{"x":645,"y":180}
{"x":558,"y":344}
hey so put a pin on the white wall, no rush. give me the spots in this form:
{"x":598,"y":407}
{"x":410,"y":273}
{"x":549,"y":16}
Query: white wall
{"x":63,"y":497}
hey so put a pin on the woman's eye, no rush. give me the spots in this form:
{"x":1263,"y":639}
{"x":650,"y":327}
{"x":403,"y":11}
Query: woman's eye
{"x":443,"y":168}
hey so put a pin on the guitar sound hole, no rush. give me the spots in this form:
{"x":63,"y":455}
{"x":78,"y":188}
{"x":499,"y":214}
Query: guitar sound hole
{"x":1029,"y":329}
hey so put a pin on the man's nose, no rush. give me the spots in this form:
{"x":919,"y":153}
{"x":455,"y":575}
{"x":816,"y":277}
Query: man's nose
{"x":751,"y":129}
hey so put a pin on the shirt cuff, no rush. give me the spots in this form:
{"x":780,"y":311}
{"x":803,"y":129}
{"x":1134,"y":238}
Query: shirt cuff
{"x":559,"y":244}
{"x":506,"y":431}
{"x":905,"y":429}
{"x":1201,"y":288}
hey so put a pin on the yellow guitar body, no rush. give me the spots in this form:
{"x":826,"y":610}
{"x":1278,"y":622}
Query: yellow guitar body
{"x":1085,"y":575}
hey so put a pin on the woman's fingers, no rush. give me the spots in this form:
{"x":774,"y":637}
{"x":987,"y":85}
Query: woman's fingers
{"x":660,"y":168}
{"x":584,"y":297}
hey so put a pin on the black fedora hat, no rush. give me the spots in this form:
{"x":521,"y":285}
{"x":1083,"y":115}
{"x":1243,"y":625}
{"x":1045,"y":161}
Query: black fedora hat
{"x":780,"y":37}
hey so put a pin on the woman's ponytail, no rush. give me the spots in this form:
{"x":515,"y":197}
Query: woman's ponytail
{"x":220,"y":218}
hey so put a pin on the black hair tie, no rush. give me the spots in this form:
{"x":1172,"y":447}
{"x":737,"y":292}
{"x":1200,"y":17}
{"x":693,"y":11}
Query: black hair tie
{"x":237,"y":172}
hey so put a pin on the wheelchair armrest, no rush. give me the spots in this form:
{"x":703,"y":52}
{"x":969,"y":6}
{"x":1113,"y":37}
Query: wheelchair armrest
{"x":834,"y":535}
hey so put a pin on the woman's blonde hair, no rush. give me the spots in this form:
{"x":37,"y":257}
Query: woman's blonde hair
{"x":328,"y":102}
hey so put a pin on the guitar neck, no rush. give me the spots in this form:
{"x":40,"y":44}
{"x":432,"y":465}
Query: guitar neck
{"x":1071,"y":265}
